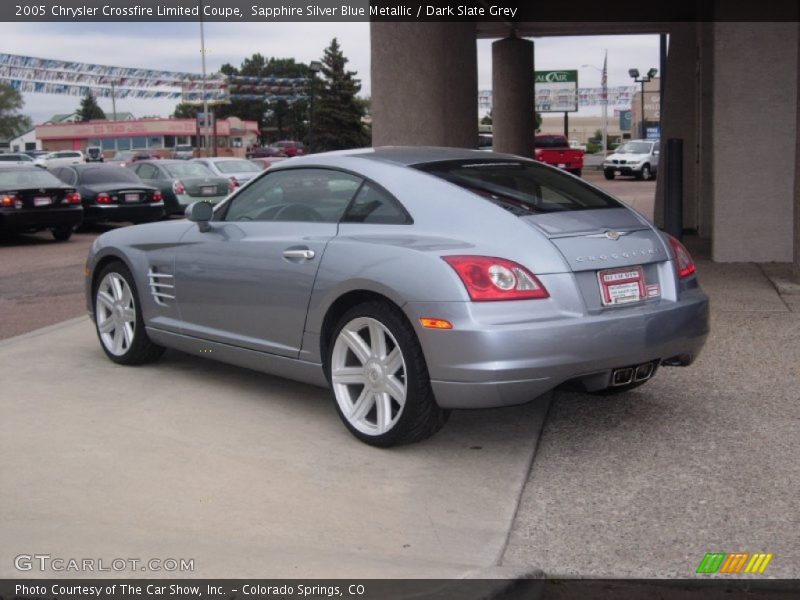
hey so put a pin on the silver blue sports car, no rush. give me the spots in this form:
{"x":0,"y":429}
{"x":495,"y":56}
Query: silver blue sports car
{"x":410,"y":281}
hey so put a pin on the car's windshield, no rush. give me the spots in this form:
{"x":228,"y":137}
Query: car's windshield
{"x":109,"y":174}
{"x":235,"y":166}
{"x":189,"y":169}
{"x":521,"y":187}
{"x":30,"y":177}
{"x":635,"y":148}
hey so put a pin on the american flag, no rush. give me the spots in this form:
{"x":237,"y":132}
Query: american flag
{"x":604,"y":80}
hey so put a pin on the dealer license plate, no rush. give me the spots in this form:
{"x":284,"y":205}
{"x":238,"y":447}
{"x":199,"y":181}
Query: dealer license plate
{"x":131,"y":197}
{"x":42,"y":200}
{"x":208,"y":190}
{"x":621,"y":286}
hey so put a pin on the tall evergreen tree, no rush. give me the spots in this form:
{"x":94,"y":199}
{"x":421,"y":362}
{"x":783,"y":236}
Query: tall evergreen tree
{"x":11,"y":122}
{"x":337,"y":112}
{"x":89,"y":109}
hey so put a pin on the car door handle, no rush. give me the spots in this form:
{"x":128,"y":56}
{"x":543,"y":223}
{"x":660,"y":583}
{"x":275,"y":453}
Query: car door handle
{"x":297,"y":253}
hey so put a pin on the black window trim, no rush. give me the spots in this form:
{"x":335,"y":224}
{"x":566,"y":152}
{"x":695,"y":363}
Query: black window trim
{"x":222,"y":209}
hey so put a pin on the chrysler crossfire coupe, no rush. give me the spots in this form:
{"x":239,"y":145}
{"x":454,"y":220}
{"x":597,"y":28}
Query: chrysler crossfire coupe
{"x":410,"y":281}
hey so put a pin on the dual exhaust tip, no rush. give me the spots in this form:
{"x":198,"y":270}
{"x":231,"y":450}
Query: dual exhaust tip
{"x":628,"y":375}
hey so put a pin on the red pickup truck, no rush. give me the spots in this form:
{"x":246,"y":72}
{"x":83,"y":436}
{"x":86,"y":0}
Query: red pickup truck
{"x":554,"y":150}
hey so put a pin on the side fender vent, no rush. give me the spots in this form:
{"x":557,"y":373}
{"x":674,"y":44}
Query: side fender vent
{"x":162,"y":287}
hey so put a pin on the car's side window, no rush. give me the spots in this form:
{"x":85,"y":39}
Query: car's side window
{"x":65,"y":175}
{"x":374,"y":205}
{"x":146,"y":172}
{"x":309,"y":195}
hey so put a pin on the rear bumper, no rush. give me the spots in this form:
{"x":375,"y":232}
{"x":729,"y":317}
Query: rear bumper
{"x":21,"y":220}
{"x":477,"y":365}
{"x":119,"y":212}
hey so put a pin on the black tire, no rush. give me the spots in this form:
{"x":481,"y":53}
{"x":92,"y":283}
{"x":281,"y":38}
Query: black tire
{"x":141,"y":349}
{"x":61,"y":234}
{"x":421,"y":416}
{"x":644,"y":174}
{"x":576,"y":172}
{"x":609,"y":174}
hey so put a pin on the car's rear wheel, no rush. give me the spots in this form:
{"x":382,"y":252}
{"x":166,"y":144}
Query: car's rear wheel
{"x":61,"y":234}
{"x":379,"y":378}
{"x":609,"y":174}
{"x":118,"y":318}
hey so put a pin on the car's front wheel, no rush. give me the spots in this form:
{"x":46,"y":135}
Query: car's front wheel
{"x":118,"y":318}
{"x":609,"y":174}
{"x":379,"y":378}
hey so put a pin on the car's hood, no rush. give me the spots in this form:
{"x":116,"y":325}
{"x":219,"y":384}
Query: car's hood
{"x":628,"y":157}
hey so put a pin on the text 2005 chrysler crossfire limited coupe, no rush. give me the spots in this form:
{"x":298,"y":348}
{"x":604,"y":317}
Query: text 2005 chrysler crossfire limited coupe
{"x":409,"y":280}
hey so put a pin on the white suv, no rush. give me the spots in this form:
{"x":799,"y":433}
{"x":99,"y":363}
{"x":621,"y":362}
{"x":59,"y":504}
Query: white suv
{"x":61,"y":158}
{"x":637,"y":157}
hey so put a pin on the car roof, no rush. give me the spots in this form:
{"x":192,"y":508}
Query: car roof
{"x":410,"y":155}
{"x":86,"y":166}
{"x":13,"y":167}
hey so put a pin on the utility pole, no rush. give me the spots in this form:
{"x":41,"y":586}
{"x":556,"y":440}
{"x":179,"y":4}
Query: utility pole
{"x":113,"y":101}
{"x":205,"y":99}
{"x":604,"y":85}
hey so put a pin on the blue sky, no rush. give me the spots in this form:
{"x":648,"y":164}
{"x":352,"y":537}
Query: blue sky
{"x":176,"y":46}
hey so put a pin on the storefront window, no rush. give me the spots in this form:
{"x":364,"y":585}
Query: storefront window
{"x":139,"y":142}
{"x":169,"y":141}
{"x":155,"y":142}
{"x":108,"y":144}
{"x":123,"y":143}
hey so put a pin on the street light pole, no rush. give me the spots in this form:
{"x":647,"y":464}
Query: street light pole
{"x":203,"y":58}
{"x":634,"y":73}
{"x":603,"y":98}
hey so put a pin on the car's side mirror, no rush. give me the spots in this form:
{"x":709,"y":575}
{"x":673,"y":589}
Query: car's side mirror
{"x":200,"y":213}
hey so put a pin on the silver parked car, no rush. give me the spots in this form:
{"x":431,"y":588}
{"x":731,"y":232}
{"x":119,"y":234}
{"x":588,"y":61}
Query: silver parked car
{"x":236,"y":170}
{"x":411,"y":281}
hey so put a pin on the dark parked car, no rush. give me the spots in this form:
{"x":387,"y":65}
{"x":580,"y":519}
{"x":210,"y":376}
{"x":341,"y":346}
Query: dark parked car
{"x":112,"y":193}
{"x":33,"y":199}
{"x":182,"y":182}
{"x":265,"y":163}
{"x":265,"y":152}
{"x":290,"y":147}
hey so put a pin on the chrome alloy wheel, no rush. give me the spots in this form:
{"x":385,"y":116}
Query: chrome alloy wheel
{"x":116,"y":314}
{"x":368,"y":374}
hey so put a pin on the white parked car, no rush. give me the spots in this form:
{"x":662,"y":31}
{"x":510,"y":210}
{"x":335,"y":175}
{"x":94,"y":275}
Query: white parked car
{"x":637,"y":157}
{"x":576,"y":145}
{"x":15,"y":159}
{"x":61,"y":158}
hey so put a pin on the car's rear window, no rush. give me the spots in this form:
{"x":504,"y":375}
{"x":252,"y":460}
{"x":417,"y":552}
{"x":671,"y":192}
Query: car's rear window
{"x":109,"y":174}
{"x":31,"y":177}
{"x":522,"y":187}
{"x":236,"y":166}
{"x":189,"y":169}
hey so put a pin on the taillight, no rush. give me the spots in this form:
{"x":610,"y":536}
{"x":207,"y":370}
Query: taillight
{"x":487,"y":279}
{"x":178,"y":187}
{"x":72,"y":198}
{"x":156,"y":197}
{"x":8,"y":201}
{"x":684,"y":265}
{"x":103,"y":198}
{"x":232,"y":184}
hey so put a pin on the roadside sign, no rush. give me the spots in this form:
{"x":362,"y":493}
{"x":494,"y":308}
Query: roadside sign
{"x":653,"y":133}
{"x":556,"y":91}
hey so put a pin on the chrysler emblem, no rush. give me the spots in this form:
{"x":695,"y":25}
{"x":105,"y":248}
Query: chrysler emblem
{"x":609,"y":235}
{"x":612,"y":235}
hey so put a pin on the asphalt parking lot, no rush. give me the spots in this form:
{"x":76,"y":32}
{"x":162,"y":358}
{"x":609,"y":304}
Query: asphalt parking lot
{"x":247,"y":474}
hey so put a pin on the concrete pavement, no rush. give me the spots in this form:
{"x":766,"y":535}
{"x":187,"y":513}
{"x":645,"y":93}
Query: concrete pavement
{"x":701,"y":459}
{"x":249,"y":475}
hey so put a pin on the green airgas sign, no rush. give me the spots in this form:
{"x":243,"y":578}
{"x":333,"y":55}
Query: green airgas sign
{"x":556,"y":91}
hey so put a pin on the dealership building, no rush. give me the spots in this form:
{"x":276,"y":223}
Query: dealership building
{"x":730,"y":92}
{"x":233,"y":135}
